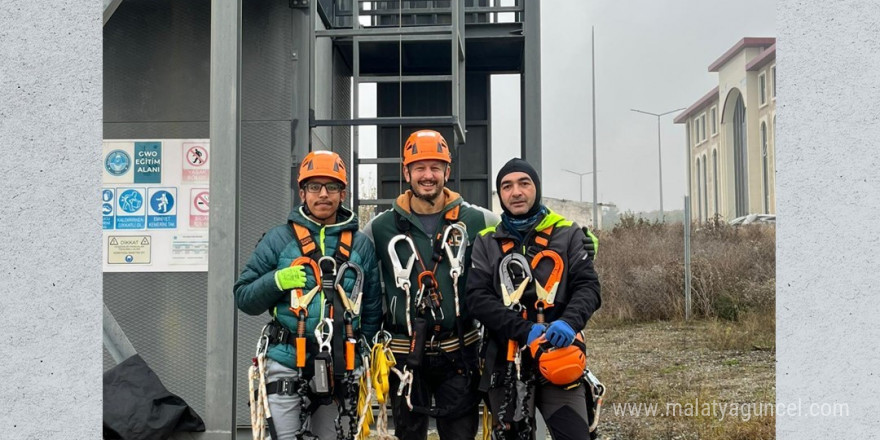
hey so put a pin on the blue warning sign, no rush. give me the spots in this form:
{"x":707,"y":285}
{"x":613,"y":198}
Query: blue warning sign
{"x":130,"y":208}
{"x":147,"y":162}
{"x":162,"y":212}
{"x":107,"y":209}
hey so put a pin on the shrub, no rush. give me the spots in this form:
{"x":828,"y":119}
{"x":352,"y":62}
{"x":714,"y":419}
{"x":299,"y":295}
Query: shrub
{"x":641,"y":269}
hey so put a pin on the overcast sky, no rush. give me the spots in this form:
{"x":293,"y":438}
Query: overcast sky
{"x":651,"y":55}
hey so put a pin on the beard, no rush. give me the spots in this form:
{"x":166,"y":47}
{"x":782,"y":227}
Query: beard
{"x":430,"y":197}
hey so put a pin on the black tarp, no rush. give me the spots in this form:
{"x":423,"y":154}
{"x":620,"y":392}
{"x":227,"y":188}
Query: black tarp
{"x":138,"y":407}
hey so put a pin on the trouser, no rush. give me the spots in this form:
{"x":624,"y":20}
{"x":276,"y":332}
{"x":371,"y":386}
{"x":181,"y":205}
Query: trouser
{"x":286,"y":409}
{"x":564,"y":410}
{"x":444,"y":379}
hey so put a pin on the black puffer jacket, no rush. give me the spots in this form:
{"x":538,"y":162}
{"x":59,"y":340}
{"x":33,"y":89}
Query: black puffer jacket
{"x":577,"y":296}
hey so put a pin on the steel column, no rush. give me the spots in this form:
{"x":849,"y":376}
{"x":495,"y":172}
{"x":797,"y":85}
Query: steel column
{"x":225,"y":134}
{"x":301,"y":78}
{"x":530,"y":101}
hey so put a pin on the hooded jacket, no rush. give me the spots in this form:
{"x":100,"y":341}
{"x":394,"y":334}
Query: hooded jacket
{"x":577,"y":296}
{"x":256,"y":291}
{"x":384,"y":227}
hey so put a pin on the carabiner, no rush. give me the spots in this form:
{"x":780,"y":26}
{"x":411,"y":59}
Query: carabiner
{"x":401,"y":273}
{"x":324,"y":334}
{"x":298,"y":301}
{"x":547,"y":293}
{"x":357,"y":291}
{"x":455,"y":259}
{"x":509,"y":293}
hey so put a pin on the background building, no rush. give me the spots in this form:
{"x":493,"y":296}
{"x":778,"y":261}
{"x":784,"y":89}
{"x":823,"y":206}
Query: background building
{"x":730,"y":135}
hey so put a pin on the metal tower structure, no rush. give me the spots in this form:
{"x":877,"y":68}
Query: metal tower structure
{"x":268,"y":82}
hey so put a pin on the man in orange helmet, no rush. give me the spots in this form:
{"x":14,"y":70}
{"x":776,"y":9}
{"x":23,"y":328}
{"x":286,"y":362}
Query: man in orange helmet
{"x":533,"y":285}
{"x":423,"y":244}
{"x":296,"y":273}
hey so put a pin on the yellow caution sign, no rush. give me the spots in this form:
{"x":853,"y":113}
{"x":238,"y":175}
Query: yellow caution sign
{"x":130,"y":249}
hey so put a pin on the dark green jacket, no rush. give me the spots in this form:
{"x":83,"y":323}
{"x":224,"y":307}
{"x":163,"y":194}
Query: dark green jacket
{"x":256,"y":292}
{"x":384,"y":227}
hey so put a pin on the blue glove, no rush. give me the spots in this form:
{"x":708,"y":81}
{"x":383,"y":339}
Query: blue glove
{"x":560,"y":334}
{"x":535,"y":333}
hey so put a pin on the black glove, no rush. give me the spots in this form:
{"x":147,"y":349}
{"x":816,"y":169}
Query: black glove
{"x":591,"y":243}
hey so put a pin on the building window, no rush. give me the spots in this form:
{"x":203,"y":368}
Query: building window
{"x":699,"y":195}
{"x":713,"y":120}
{"x":703,"y":127}
{"x":762,"y":80}
{"x":764,"y":167}
{"x":773,"y":81}
{"x":715,"y":177}
{"x":697,"y":131}
{"x":705,"y":191}
{"x":740,"y":158}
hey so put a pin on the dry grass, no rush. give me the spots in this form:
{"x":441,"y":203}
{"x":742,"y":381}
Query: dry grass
{"x":681,"y":363}
{"x":641,"y":267}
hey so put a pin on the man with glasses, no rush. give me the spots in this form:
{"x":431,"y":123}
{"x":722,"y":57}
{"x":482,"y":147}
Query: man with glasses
{"x":281,"y":278}
{"x":433,"y":336}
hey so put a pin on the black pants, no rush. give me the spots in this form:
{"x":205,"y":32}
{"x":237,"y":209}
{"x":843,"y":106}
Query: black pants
{"x":445,"y":379}
{"x":564,"y":411}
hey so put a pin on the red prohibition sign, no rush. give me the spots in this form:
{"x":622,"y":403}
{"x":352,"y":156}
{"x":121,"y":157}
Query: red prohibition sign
{"x":200,"y":202}
{"x":197,"y":156}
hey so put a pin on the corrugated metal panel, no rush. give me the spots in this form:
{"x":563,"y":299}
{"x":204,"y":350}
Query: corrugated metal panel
{"x":341,"y":107}
{"x":264,"y":197}
{"x":266,"y":58}
{"x":163,"y":315}
{"x":156,"y":61}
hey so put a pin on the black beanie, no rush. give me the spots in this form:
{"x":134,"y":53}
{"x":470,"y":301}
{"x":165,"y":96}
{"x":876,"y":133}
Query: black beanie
{"x":514,"y":165}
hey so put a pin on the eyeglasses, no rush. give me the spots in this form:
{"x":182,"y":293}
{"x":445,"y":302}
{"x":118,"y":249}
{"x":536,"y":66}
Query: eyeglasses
{"x":315,"y":187}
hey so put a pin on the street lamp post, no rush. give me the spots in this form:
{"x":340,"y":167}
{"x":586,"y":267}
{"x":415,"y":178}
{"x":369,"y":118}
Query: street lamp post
{"x":659,"y":152}
{"x":581,"y":176}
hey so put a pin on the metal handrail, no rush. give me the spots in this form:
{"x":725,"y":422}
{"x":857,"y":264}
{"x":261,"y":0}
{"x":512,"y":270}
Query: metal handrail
{"x":415,"y":14}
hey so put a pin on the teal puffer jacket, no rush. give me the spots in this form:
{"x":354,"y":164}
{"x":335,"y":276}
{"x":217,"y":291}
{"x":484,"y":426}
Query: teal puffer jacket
{"x":256,"y":291}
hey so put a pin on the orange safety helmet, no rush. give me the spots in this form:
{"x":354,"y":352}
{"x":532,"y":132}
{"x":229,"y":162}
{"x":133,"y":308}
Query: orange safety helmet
{"x":560,"y":366}
{"x":324,"y":164}
{"x":425,"y":145}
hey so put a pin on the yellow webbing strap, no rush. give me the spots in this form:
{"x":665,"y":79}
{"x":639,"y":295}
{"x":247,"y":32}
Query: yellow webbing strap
{"x":487,"y":423}
{"x":382,"y":360}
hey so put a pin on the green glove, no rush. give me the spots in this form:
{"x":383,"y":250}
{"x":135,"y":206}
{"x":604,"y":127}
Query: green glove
{"x":293,"y":277}
{"x":591,"y":243}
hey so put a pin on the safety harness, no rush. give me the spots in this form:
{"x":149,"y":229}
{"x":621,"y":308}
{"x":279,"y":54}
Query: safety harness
{"x":450,"y":243}
{"x":537,"y":251}
{"x":338,"y":311}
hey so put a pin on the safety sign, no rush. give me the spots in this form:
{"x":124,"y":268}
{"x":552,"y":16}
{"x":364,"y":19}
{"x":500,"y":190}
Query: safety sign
{"x":155,"y":189}
{"x":162,"y":210}
{"x":128,"y":249}
{"x":130,"y":208}
{"x":198,"y":209}
{"x":148,"y":162}
{"x":195,"y":162}
{"x":107,"y":207}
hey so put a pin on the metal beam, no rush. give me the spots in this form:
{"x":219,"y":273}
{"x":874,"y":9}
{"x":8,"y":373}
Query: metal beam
{"x":405,"y":78}
{"x":225,"y":134}
{"x":530,"y":97}
{"x":379,"y":160}
{"x":109,"y":8}
{"x":385,"y":122}
{"x":386,"y":32}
